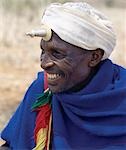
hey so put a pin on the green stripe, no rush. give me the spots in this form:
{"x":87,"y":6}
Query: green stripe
{"x":43,"y":99}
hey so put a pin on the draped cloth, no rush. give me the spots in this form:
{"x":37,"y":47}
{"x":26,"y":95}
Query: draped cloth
{"x":93,"y":118}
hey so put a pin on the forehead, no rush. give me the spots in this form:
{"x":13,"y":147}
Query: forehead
{"x":54,"y":41}
{"x":57,"y":43}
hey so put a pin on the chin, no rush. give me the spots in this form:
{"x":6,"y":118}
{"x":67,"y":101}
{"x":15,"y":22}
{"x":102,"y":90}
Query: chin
{"x":56,"y":89}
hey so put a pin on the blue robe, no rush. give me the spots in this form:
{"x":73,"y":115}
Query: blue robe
{"x":92,"y":119}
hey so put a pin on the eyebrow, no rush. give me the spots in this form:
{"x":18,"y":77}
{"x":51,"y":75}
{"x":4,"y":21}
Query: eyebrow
{"x":53,"y":46}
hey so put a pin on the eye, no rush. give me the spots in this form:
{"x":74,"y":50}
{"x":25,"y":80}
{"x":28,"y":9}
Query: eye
{"x":57,"y":54}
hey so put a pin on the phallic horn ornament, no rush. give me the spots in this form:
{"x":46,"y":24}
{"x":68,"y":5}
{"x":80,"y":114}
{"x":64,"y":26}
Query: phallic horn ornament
{"x":45,"y":32}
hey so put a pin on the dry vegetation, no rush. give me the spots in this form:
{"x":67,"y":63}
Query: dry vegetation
{"x":19,"y":56}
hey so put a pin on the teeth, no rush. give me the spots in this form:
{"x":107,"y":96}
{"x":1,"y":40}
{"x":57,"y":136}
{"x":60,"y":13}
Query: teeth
{"x":53,"y":76}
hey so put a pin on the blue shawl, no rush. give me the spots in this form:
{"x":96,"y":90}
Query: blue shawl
{"x":93,"y":118}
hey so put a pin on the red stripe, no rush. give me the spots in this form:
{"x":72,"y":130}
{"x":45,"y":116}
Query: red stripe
{"x":42,"y":119}
{"x":43,"y":113}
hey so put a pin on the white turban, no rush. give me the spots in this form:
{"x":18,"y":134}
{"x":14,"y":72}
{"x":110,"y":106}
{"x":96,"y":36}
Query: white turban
{"x":81,"y":25}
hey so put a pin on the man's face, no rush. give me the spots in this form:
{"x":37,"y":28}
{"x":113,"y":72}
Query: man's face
{"x":66,"y":65}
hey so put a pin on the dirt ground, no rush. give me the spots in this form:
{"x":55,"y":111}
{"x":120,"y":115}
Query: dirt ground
{"x":19,"y":65}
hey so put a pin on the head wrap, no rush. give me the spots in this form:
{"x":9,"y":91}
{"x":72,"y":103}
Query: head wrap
{"x":80,"y":24}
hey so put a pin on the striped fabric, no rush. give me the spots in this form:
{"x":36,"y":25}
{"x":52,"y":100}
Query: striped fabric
{"x":42,"y":129}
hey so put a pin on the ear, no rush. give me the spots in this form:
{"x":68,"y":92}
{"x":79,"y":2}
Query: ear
{"x":96,"y":56}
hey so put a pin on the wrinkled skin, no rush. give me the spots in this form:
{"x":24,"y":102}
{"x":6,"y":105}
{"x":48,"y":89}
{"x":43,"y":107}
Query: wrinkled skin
{"x":66,"y":65}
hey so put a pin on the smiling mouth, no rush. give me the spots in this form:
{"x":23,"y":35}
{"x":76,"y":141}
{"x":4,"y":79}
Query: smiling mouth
{"x":53,"y":76}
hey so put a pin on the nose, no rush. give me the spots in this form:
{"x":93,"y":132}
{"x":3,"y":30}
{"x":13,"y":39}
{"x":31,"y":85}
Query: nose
{"x":46,"y":62}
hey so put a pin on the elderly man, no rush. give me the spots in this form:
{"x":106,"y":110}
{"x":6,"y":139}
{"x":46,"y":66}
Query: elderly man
{"x":79,"y":102}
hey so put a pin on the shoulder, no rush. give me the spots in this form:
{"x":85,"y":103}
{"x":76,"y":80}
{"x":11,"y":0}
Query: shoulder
{"x":39,"y":80}
{"x":119,"y":76}
{"x":121,"y":71}
{"x":37,"y":85}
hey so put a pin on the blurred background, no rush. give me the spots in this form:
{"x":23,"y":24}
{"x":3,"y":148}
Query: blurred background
{"x":19,"y":55}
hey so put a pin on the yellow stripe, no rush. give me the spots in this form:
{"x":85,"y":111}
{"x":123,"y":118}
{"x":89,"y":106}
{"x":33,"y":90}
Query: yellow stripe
{"x":41,"y":139}
{"x":49,"y":131}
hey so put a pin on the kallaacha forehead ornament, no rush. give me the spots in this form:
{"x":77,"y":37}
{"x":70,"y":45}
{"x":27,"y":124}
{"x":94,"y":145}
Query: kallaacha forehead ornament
{"x":45,"y":32}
